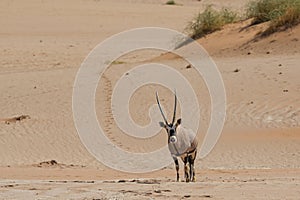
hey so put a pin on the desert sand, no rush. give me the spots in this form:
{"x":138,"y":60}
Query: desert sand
{"x":42,"y":46}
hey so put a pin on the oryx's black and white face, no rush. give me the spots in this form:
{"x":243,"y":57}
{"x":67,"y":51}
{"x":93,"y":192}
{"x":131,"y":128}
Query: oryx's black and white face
{"x":171,"y":128}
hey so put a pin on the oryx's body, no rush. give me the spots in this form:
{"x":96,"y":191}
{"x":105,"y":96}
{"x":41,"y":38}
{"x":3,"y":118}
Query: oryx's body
{"x":182,"y":143}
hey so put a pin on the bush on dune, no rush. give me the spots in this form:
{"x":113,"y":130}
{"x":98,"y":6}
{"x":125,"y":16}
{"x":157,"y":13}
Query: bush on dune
{"x":282,"y":14}
{"x":263,"y":10}
{"x":210,"y":20}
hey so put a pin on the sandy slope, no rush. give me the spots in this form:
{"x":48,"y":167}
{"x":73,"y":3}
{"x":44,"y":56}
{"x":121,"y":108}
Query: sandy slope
{"x":42,"y":45}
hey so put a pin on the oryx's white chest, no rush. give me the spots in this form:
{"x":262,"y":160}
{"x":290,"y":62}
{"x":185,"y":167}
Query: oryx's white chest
{"x":184,"y":140}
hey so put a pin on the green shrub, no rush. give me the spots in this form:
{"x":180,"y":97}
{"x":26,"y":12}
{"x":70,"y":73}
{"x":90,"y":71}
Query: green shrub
{"x":228,"y":16}
{"x":210,"y":20}
{"x":264,"y":10}
{"x":281,"y":13}
{"x":289,"y":19}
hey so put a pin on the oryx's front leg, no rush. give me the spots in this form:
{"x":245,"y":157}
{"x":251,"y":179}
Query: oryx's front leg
{"x":191,"y":159}
{"x":177,"y":168}
{"x":186,"y":169}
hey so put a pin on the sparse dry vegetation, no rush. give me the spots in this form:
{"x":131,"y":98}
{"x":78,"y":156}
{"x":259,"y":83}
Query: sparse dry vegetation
{"x":281,"y":14}
{"x":210,"y":20}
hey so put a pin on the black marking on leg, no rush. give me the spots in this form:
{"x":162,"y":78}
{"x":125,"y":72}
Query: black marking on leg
{"x":177,"y":169}
{"x":186,"y":173}
{"x":191,"y":163}
{"x":192,"y":158}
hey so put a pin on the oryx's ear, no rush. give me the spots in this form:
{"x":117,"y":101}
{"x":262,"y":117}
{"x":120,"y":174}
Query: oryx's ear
{"x":178,"y":122}
{"x":161,"y":124}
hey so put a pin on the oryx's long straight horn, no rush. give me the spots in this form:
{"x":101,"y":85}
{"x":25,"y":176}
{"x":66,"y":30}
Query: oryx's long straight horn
{"x":175,"y":105}
{"x":162,"y":113}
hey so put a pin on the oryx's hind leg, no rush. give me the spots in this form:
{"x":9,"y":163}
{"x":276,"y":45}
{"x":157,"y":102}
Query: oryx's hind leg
{"x":186,"y":169}
{"x":191,"y":160}
{"x":177,"y":168}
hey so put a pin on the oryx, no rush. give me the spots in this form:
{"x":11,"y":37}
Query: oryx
{"x":182,"y":143}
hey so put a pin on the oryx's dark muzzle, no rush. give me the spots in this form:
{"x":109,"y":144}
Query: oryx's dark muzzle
{"x":172,"y":132}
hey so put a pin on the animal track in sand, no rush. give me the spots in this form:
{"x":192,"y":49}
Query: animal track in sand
{"x":108,"y":116}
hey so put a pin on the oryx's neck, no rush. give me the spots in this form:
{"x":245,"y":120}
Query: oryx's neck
{"x":186,"y":141}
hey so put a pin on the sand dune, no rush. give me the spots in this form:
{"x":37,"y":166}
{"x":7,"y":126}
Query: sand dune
{"x":43,"y":44}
